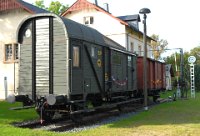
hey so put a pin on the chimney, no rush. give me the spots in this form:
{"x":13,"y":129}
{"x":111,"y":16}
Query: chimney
{"x":106,"y":7}
{"x":96,"y":2}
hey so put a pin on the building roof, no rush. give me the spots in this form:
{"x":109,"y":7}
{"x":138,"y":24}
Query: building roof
{"x":83,"y":4}
{"x":17,"y":4}
{"x":130,"y":18}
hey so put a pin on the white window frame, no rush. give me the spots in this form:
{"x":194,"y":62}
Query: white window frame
{"x":88,"y":20}
{"x":11,"y":52}
{"x":132,"y":46}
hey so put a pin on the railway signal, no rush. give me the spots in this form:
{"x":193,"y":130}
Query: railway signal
{"x":192,"y":60}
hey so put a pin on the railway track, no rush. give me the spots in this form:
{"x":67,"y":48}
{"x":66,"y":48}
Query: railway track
{"x":88,"y":121}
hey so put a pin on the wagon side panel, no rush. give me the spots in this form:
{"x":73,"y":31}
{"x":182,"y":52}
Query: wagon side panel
{"x":93,"y":68}
{"x":25,"y":72}
{"x":60,"y":75}
{"x":119,"y":69}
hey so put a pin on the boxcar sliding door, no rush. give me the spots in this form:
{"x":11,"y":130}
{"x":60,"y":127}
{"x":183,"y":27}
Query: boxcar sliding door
{"x":77,"y":72}
{"x":130,"y":72}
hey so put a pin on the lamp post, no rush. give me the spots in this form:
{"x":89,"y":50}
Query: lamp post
{"x":145,"y":11}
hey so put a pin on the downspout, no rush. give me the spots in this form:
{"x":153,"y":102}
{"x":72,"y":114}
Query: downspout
{"x":14,"y":76}
{"x":127,"y":39}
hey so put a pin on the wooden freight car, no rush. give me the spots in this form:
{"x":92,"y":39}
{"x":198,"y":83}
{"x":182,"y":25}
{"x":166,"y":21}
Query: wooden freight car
{"x":64,"y":66}
{"x":155,"y":76}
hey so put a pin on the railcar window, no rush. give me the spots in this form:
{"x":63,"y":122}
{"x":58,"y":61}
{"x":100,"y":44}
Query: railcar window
{"x":11,"y":52}
{"x":76,"y":56}
{"x":94,"y":52}
{"x":129,"y":61}
{"x":117,"y":59}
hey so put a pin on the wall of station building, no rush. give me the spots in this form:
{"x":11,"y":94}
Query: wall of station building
{"x":9,"y":21}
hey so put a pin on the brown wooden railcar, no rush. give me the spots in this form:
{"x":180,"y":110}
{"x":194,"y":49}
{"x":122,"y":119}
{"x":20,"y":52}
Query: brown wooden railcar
{"x":155,"y":76}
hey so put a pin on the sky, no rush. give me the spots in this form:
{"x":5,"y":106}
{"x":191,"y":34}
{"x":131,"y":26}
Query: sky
{"x":177,"y":21}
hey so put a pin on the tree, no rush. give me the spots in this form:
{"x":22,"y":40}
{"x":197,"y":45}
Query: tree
{"x":159,"y":46}
{"x":196,"y":52}
{"x":40,"y":4}
{"x":54,"y":7}
{"x":197,"y":77}
{"x":57,"y":8}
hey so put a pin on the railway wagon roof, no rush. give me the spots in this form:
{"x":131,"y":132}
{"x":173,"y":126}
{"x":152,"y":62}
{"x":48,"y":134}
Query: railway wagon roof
{"x":72,"y":29}
{"x":77,"y":31}
{"x":151,"y":59}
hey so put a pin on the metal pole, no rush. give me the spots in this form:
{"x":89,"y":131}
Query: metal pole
{"x":177,"y":79}
{"x":145,"y":11}
{"x":14,"y":77}
{"x":5,"y":87}
{"x":181,"y":73}
{"x":145,"y":66}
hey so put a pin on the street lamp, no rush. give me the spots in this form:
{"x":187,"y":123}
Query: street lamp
{"x":145,"y":11}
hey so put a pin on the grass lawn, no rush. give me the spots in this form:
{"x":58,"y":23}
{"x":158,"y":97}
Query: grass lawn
{"x":179,"y":118}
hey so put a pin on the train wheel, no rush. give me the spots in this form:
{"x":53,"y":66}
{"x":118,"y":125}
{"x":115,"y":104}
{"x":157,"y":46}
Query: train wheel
{"x":97,"y":101}
{"x":46,"y":116}
{"x":77,"y":118}
{"x":121,"y":108}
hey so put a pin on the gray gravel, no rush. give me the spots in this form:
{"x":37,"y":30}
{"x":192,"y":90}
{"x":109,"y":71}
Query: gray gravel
{"x":102,"y":122}
{"x":107,"y":120}
{"x":111,"y":119}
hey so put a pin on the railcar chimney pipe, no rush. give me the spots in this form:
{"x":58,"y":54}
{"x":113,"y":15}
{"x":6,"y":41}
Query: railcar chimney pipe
{"x":96,"y":2}
{"x":106,"y":7}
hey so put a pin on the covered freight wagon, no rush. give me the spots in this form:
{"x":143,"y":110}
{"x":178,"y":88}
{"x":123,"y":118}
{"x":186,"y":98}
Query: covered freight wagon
{"x":65,"y":65}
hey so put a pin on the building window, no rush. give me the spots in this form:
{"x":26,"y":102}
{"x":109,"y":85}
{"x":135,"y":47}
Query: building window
{"x":11,"y":52}
{"x":88,"y":20}
{"x":16,"y":53}
{"x":132,"y":47}
{"x":140,"y":50}
{"x":76,"y":56}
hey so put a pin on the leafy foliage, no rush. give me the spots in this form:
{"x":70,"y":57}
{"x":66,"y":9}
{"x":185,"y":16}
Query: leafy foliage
{"x":40,"y":4}
{"x":197,"y":76}
{"x":196,"y":52}
{"x":159,"y":46}
{"x":57,"y":8}
{"x":54,"y":7}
